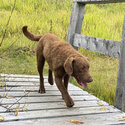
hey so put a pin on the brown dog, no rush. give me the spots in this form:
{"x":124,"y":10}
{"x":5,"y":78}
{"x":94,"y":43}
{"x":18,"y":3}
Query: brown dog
{"x":63,"y":60}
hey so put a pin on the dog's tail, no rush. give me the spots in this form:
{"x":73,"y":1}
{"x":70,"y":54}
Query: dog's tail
{"x":29,"y":35}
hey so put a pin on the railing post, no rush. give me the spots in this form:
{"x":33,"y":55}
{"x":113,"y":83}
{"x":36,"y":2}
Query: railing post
{"x":76,"y":21}
{"x":120,"y":90}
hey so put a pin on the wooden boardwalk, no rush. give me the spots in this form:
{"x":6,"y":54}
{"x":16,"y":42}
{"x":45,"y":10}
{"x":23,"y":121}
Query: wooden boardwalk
{"x":20,"y":103}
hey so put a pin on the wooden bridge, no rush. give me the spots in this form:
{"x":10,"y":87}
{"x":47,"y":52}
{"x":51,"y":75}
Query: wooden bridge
{"x":20,"y":103}
{"x":107,"y":47}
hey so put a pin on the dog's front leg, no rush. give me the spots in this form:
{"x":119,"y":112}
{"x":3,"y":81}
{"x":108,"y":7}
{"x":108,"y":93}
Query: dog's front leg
{"x":66,"y":80}
{"x":68,"y":100}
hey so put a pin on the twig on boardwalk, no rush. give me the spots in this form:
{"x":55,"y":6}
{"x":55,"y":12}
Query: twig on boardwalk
{"x":8,"y":23}
{"x":5,"y":86}
{"x":9,"y":108}
{"x":4,"y":107}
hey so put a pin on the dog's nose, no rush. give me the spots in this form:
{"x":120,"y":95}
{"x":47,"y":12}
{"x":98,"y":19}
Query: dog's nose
{"x":90,"y":79}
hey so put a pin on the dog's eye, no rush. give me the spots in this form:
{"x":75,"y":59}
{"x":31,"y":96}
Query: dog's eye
{"x":83,"y":68}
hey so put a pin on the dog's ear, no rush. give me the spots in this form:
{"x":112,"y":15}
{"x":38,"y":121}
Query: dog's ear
{"x":68,"y":65}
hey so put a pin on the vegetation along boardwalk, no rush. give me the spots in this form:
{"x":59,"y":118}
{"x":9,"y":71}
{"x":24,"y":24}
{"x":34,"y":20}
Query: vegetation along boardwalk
{"x":20,"y":103}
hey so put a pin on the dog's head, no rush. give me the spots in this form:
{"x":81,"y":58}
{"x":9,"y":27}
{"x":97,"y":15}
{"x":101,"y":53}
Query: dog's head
{"x":78,"y":67}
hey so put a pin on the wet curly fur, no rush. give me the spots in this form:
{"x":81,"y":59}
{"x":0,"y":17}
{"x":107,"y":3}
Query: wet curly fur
{"x":62,"y":59}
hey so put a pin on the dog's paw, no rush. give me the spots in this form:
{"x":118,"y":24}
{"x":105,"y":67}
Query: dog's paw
{"x":50,"y":80}
{"x":62,"y":97}
{"x":42,"y":91}
{"x":70,"y":103}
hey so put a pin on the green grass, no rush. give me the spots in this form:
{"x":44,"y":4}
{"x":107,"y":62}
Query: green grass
{"x":17,"y":53}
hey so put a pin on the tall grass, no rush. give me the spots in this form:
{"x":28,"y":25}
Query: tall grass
{"x":106,"y":22}
{"x":42,"y":16}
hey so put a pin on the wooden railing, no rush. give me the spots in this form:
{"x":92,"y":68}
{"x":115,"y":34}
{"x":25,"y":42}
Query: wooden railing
{"x":108,"y":47}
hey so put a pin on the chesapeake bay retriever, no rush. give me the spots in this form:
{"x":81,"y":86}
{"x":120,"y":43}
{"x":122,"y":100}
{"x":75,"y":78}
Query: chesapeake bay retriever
{"x":63,"y":60}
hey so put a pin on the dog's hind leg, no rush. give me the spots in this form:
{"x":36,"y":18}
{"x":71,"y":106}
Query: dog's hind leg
{"x":50,"y":77}
{"x":40,"y":65}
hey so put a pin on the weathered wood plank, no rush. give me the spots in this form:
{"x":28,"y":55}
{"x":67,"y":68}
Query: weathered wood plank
{"x":20,"y":76}
{"x":46,"y":99}
{"x":96,"y":119}
{"x":48,"y":114}
{"x":22,"y":83}
{"x":76,"y":20}
{"x":19,"y":79}
{"x":120,"y":90}
{"x":32,"y":89}
{"x":107,"y":47}
{"x":18,"y":86}
{"x":53,"y":106}
{"x":35,"y":90}
{"x":98,"y":1}
{"x":48,"y":93}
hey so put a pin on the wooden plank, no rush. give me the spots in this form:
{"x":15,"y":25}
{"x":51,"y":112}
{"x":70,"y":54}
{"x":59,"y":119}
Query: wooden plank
{"x":48,"y":114}
{"x":19,"y":79}
{"x":17,"y":86}
{"x":45,"y":99}
{"x":96,"y":119}
{"x":31,"y":89}
{"x":55,"y":105}
{"x":120,"y":90}
{"x":34,"y":95}
{"x":98,"y":1}
{"x":107,"y":47}
{"x":19,"y":83}
{"x":48,"y":93}
{"x":26,"y":87}
{"x":19,"y":76}
{"x":35,"y":90}
{"x":76,"y":20}
{"x":66,"y":119}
